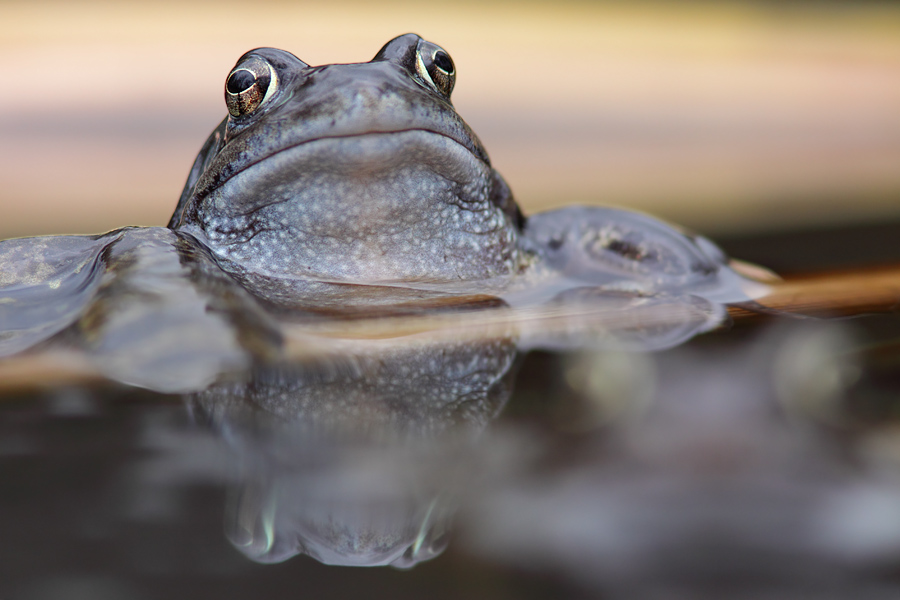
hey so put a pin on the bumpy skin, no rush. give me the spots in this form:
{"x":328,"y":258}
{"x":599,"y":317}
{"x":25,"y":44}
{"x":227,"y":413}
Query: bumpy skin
{"x":357,"y":172}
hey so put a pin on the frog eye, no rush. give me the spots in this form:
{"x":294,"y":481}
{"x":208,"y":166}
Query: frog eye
{"x":248,"y":85}
{"x":435,"y":66}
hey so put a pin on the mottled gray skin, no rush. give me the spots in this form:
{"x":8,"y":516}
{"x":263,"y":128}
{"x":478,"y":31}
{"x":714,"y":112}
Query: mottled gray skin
{"x":354,"y":172}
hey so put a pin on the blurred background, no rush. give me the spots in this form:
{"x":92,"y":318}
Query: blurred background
{"x":731,"y":118}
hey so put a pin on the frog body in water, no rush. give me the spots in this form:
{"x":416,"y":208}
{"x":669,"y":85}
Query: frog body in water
{"x":333,"y":188}
{"x":365,"y":173}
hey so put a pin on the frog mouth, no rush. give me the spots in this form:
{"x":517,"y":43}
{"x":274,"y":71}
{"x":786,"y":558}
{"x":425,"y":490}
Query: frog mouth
{"x":374,"y":165}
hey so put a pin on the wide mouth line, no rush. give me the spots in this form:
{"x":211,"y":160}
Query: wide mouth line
{"x":346,"y":136}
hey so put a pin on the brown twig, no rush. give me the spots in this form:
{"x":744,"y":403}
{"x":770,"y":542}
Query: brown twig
{"x":830,"y":294}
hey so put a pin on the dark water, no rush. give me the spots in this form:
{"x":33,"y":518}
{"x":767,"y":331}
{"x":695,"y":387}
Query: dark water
{"x":479,"y":456}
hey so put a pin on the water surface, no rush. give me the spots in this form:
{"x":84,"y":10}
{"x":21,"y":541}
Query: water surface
{"x":474,"y":447}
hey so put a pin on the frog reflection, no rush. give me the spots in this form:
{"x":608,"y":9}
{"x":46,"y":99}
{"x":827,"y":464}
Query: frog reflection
{"x":357,"y":462}
{"x":347,"y":186}
{"x":357,"y":453}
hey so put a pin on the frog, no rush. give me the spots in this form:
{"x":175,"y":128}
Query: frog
{"x":332,"y":189}
{"x":350,"y":172}
{"x":366,"y":173}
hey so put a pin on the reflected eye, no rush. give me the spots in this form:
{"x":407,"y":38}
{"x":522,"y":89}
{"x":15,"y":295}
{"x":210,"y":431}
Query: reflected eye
{"x":435,"y":66}
{"x":248,"y":86}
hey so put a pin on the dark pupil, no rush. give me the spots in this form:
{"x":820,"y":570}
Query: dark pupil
{"x":240,"y":81}
{"x":443,"y":62}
